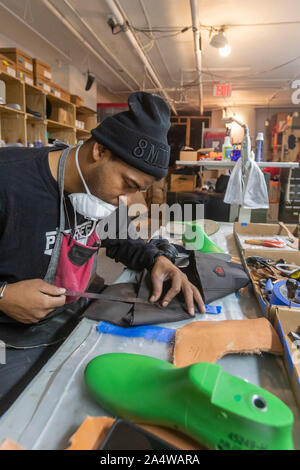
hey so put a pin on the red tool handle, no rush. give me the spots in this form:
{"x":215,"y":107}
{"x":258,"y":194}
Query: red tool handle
{"x":274,"y":243}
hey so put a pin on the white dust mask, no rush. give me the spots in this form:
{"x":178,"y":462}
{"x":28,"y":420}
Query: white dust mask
{"x":88,"y":205}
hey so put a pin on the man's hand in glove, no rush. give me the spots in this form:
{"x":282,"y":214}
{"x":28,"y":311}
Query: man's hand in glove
{"x":163,"y":270}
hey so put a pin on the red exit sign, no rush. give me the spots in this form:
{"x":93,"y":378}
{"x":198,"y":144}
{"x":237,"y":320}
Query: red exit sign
{"x":222,"y":90}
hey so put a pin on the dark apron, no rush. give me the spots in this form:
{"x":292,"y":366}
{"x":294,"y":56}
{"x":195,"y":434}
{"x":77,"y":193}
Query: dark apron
{"x":28,"y":347}
{"x":71,"y":263}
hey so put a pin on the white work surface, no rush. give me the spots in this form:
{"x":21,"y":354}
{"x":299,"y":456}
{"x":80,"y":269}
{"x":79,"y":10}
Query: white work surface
{"x":56,"y":402}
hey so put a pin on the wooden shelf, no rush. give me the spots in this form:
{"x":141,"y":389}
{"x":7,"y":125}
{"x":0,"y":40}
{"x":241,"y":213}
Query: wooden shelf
{"x":7,"y":77}
{"x":35,"y":89}
{"x":82,"y":131}
{"x":85,"y":110}
{"x":58,"y":125}
{"x":20,"y":126}
{"x":7,"y":110}
{"x":30,"y":117}
{"x":55,"y":99}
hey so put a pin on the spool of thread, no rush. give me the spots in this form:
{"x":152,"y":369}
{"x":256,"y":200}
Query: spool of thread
{"x":279,"y":295}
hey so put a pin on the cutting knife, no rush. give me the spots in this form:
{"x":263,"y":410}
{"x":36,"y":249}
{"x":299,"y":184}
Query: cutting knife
{"x":213,"y":309}
{"x":92,"y":295}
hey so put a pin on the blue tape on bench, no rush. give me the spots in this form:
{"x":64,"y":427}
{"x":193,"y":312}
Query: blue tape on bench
{"x":213,"y":309}
{"x":164,"y":335}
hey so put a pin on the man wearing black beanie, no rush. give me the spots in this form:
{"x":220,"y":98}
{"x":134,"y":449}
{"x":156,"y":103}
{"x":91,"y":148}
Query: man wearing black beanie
{"x":126,"y":153}
{"x":43,"y":232}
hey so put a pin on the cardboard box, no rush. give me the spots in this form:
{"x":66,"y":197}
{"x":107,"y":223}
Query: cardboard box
{"x":252,"y":230}
{"x":182,"y":183}
{"x":43,"y":85}
{"x":26,"y":77}
{"x":79,"y":124}
{"x":7,"y":66}
{"x":207,"y":175}
{"x":64,"y":94}
{"x":77,"y":100}
{"x":291,"y":257}
{"x":285,"y":322}
{"x":59,"y":114}
{"x":40,"y":69}
{"x":19,"y":57}
{"x":188,"y":156}
{"x":59,"y":92}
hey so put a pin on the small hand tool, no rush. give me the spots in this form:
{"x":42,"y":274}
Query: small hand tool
{"x":288,"y":269}
{"x":267,"y":243}
{"x":292,"y":240}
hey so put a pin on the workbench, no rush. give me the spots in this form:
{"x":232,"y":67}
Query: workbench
{"x":56,"y":402}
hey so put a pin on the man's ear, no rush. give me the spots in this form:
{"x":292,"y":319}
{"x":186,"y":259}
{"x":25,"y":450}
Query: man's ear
{"x":97,"y":151}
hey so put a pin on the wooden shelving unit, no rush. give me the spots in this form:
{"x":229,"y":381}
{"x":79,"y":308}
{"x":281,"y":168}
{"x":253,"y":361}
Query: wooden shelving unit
{"x":89,"y":118}
{"x":21,"y":126}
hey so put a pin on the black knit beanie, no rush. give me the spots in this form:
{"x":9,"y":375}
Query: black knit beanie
{"x":139,"y":136}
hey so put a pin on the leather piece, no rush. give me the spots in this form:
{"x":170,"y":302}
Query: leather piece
{"x":124,"y":314}
{"x":147,"y":314}
{"x":200,"y":272}
{"x":90,"y":433}
{"x":9,"y":444}
{"x":93,"y":430}
{"x":115,"y":312}
{"x":204,"y":341}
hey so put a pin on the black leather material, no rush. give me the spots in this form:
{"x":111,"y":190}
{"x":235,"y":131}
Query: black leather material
{"x":214,"y":275}
{"x":124,"y":314}
{"x":115,"y":312}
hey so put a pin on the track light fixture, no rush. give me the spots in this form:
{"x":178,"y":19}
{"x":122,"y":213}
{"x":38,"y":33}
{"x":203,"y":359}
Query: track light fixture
{"x":219,"y":41}
{"x":90,"y":80}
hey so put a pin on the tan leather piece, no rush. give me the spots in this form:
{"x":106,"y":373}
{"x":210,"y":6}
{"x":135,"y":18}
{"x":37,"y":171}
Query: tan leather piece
{"x":93,"y":430}
{"x":9,"y":444}
{"x":205,"y":341}
{"x":90,"y":433}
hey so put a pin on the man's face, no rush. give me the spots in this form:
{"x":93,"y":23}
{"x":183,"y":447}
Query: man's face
{"x":109,"y":178}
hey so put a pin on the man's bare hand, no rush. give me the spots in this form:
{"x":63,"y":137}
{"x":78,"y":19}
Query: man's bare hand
{"x":30,"y":301}
{"x":163,"y":270}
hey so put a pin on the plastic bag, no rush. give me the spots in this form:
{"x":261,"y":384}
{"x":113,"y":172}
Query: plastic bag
{"x":255,"y":195}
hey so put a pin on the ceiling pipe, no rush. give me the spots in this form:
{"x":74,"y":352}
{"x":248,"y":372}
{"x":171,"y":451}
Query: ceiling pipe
{"x":198,"y":55}
{"x":84,"y":42}
{"x":68,"y":58}
{"x":101,"y":43}
{"x":120,"y":20}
